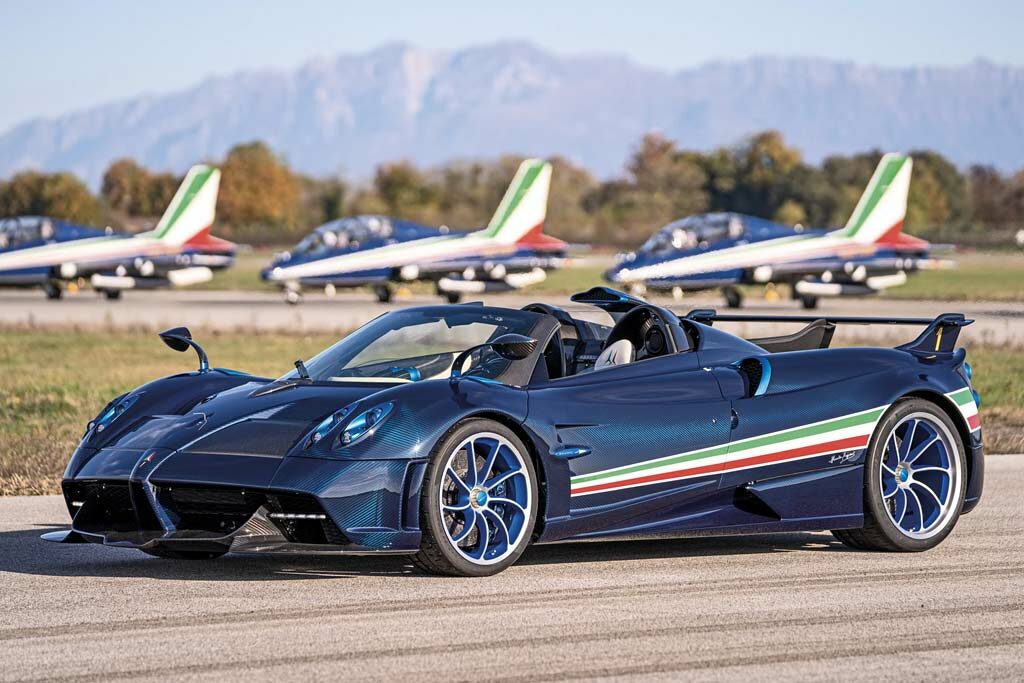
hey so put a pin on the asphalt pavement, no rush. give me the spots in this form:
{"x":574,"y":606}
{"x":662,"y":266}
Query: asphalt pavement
{"x":783,"y":607}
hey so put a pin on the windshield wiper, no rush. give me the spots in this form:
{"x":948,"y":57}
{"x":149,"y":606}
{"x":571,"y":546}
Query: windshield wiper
{"x":300,"y":367}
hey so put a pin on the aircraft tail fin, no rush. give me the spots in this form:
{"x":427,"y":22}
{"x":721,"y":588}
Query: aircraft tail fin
{"x":520,"y":215}
{"x":191,"y":211}
{"x":879,"y":215}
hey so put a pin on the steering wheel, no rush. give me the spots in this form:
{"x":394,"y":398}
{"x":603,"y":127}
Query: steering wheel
{"x":645,"y":329}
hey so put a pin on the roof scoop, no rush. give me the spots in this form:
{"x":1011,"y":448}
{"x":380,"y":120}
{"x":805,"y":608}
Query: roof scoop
{"x":180,"y":339}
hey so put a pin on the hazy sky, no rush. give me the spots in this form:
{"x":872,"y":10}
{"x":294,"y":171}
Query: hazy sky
{"x":61,"y":55}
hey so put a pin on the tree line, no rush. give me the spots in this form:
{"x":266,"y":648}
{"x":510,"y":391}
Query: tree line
{"x":263,"y":201}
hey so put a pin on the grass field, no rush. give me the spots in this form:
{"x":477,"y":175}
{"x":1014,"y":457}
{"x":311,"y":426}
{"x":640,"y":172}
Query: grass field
{"x":990,"y":276}
{"x":55,"y":382}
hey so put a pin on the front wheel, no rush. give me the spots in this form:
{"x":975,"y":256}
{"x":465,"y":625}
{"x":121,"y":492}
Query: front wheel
{"x":914,"y":480}
{"x":479,"y":501}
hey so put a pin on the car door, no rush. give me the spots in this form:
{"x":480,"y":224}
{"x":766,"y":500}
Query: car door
{"x":636,"y":439}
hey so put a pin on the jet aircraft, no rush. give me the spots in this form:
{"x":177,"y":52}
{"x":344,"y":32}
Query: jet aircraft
{"x":723,"y":250}
{"x":37,"y":251}
{"x":510,"y":253}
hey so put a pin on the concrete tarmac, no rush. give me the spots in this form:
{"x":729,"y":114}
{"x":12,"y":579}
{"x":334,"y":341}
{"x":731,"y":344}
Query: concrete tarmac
{"x":996,"y":323}
{"x":796,"y":606}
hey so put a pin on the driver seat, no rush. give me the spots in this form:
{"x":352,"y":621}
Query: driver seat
{"x":616,"y":353}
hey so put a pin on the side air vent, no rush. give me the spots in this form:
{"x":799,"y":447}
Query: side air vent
{"x":757,"y":372}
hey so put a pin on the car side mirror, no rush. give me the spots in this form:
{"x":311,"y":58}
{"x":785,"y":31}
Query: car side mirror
{"x":509,"y":346}
{"x":180,"y":339}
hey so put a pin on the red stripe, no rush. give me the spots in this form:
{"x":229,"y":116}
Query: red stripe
{"x":852,"y":442}
{"x":974,"y":422}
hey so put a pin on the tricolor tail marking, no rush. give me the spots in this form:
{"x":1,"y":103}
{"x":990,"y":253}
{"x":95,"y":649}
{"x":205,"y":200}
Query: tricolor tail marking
{"x":192,"y":210}
{"x":524,"y":207}
{"x":880,"y":213}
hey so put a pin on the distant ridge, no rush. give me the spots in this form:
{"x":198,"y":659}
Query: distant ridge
{"x":399,"y":101}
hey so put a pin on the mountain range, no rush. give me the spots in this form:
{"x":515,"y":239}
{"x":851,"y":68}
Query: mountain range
{"x":348,"y":113}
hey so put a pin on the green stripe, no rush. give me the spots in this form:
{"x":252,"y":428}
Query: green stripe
{"x":520,"y":191}
{"x":878,"y":189}
{"x":753,"y":442}
{"x":196,"y":184}
{"x":962,"y":397}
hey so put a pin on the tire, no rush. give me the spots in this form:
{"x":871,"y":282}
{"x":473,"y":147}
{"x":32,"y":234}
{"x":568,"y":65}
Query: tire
{"x":451,"y":542}
{"x":452,"y":297}
{"x":53,"y":291}
{"x":733,"y":297}
{"x":112,"y":294}
{"x":808,"y":302}
{"x":910,"y":506}
{"x":383,"y":294}
{"x":168,"y":554}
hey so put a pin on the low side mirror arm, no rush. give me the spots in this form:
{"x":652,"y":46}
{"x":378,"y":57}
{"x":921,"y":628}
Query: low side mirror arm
{"x":180,"y":339}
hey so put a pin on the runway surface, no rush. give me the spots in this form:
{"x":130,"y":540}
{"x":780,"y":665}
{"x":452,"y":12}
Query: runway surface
{"x":792,"y":606}
{"x":997,"y":323}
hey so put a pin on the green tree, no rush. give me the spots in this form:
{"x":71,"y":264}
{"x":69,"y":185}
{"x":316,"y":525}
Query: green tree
{"x":58,"y":195}
{"x":259,"y":194}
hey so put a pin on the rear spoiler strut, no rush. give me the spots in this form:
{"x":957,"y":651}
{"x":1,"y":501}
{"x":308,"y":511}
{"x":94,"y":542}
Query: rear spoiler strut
{"x":939,"y":335}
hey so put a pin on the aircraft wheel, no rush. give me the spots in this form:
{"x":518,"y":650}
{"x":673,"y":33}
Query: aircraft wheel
{"x":383,"y":293}
{"x":733,"y":297}
{"x":53,"y":291}
{"x":112,"y":294}
{"x":478,"y":504}
{"x":809,"y":302}
{"x":292,"y":297}
{"x":451,"y":297}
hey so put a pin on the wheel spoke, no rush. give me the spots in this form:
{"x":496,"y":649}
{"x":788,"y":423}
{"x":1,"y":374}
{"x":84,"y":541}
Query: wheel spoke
{"x":917,"y":452}
{"x":944,"y":470}
{"x":455,"y":508}
{"x":920,"y":508}
{"x":499,"y":524}
{"x":482,"y":537}
{"x":469,"y":520}
{"x":908,"y":439}
{"x":901,"y":506}
{"x":504,"y":476}
{"x":932,"y":493}
{"x":509,"y":502}
{"x":471,"y":475}
{"x":489,"y":462}
{"x":454,"y":476}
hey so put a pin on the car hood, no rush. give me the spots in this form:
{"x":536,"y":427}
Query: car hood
{"x":254,"y":417}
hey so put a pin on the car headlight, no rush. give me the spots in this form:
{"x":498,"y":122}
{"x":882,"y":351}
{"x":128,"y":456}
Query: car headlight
{"x":114,"y":410}
{"x":326,"y":425}
{"x":365,"y":423}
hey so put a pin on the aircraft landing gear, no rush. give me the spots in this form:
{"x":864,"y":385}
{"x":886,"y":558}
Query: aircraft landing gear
{"x":53,"y":291}
{"x":292,"y":296}
{"x":451,"y":297}
{"x":733,"y":297}
{"x":383,"y":293}
{"x":808,"y":302}
{"x":112,"y":294}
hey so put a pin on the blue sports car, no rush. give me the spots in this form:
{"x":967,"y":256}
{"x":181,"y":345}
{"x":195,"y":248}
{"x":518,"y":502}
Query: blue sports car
{"x":460,"y":434}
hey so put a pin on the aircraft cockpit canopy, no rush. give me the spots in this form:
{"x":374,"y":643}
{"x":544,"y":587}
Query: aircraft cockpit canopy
{"x":345,"y":233}
{"x":694,"y":232}
{"x":23,"y":230}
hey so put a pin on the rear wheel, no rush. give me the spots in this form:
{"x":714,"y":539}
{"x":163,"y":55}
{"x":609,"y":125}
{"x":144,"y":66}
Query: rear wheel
{"x":914,"y":480}
{"x":168,"y":554}
{"x":479,"y":502}
{"x":53,"y":291}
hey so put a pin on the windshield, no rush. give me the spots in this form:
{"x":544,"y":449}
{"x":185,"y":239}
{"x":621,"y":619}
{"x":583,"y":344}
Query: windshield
{"x":693,"y":232}
{"x":420,"y":343}
{"x":344,"y":233}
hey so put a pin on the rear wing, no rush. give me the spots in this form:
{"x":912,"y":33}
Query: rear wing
{"x":939,"y":336}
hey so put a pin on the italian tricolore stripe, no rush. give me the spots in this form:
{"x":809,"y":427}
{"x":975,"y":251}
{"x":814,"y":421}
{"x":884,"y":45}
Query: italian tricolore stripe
{"x":848,"y":433}
{"x":964,"y":400}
